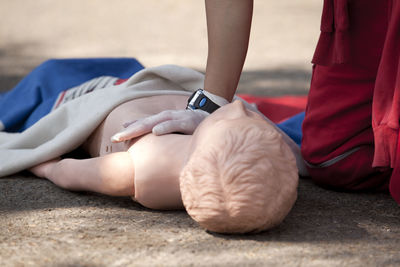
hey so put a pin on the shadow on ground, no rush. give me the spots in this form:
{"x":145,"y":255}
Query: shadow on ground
{"x":319,"y":214}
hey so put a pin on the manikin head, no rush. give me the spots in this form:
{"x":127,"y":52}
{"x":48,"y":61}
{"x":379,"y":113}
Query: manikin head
{"x":241,"y":177}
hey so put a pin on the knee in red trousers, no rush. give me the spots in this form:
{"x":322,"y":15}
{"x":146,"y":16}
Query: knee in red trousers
{"x":352,"y":173}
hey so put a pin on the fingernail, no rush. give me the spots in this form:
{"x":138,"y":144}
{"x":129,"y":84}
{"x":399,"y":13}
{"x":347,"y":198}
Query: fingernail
{"x":116,"y":138}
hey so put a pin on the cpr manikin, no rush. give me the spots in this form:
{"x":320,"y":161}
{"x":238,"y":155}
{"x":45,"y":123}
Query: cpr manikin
{"x":235,"y":174}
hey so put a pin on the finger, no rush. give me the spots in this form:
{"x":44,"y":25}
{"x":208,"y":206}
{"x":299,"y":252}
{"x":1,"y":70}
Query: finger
{"x":126,"y":124}
{"x":133,"y":131}
{"x":141,"y":127}
{"x":181,"y":126}
{"x":165,"y":128}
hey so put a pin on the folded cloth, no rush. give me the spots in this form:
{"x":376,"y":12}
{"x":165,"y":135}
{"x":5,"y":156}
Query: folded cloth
{"x":71,"y":122}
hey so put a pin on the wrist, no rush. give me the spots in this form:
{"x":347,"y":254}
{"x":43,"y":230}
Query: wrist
{"x":219,"y":100}
{"x":51,"y":168}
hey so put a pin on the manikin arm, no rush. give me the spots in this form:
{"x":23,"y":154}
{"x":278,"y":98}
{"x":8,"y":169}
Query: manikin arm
{"x":112,"y":174}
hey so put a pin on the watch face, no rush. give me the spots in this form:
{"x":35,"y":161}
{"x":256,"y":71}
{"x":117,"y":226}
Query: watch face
{"x":202,"y":102}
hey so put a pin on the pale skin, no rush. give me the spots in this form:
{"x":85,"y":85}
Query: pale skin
{"x":146,"y":168}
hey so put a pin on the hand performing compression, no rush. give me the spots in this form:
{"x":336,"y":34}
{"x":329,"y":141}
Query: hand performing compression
{"x":170,"y":121}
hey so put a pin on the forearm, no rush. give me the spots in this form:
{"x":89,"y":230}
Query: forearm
{"x":112,"y":174}
{"x":228,"y":24}
{"x":65,"y":174}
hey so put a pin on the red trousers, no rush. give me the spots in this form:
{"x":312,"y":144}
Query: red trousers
{"x":350,"y":132}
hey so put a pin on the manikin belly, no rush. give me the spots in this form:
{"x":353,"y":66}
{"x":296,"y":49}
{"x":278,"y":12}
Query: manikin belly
{"x":99,"y":143}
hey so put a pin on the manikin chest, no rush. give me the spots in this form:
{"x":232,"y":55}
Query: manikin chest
{"x":99,"y":143}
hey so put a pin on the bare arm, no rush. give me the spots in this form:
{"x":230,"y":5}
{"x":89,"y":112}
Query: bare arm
{"x":228,"y":24}
{"x":112,"y":174}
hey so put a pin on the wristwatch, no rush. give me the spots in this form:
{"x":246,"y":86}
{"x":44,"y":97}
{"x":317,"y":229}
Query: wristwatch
{"x":199,"y":100}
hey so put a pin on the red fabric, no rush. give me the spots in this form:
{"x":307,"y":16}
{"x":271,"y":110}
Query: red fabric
{"x":353,"y":174}
{"x":280,"y":108}
{"x":354,"y":87}
{"x":352,"y":31}
{"x":119,"y":81}
{"x":386,"y":105}
{"x":333,"y":44}
{"x":394,"y":186}
{"x":386,"y":108}
{"x":338,"y":119}
{"x":338,"y":114}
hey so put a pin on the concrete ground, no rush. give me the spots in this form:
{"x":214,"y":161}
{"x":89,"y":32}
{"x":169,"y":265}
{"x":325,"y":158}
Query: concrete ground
{"x":42,"y":225}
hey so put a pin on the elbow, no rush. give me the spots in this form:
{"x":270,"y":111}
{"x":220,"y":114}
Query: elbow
{"x":158,"y":194}
{"x":146,"y":195}
{"x":118,"y":188}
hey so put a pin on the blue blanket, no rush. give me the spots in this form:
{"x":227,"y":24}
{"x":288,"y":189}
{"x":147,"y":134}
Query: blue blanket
{"x":37,"y":93}
{"x":292,"y":127}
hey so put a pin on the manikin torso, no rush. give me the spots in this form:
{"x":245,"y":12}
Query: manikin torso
{"x":153,"y":156}
{"x":99,"y":143}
